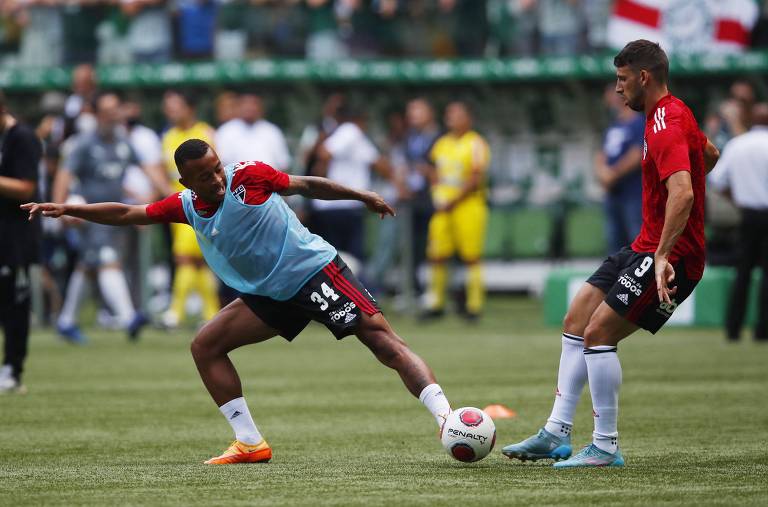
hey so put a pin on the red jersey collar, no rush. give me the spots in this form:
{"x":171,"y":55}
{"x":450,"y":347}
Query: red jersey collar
{"x":666,"y":98}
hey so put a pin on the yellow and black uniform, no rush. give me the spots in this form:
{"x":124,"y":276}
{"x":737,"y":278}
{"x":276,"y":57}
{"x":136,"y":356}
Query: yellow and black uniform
{"x":460,"y":230}
{"x":188,"y":277}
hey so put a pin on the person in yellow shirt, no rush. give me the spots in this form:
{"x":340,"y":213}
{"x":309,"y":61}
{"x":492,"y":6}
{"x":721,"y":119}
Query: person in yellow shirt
{"x":460,"y":159}
{"x":191,"y":270}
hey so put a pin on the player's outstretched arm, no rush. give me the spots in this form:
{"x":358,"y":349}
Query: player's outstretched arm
{"x":315,"y":187}
{"x":109,"y":213}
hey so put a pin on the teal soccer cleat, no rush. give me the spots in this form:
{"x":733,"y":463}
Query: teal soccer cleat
{"x":543,"y":445}
{"x":593,"y":456}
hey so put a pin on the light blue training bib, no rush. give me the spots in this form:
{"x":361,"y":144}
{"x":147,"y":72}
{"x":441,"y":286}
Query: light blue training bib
{"x":258,"y":249}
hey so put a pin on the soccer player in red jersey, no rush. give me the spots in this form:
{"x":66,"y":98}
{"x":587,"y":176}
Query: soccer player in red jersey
{"x":641,"y":285}
{"x":286,"y":275}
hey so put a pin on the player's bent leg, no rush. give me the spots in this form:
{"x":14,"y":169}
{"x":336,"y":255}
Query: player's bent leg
{"x":234,"y":326}
{"x":553,"y":441}
{"x":375,"y":333}
{"x":604,"y":331}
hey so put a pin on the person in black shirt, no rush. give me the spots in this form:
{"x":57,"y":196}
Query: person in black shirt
{"x":20,"y":153}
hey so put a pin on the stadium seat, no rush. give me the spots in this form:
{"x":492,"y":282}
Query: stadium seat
{"x":530,"y":232}
{"x":585,"y":232}
{"x":496,"y":237}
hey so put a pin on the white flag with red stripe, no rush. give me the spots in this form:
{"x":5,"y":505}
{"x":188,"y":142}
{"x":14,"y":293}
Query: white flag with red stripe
{"x":684,"y":26}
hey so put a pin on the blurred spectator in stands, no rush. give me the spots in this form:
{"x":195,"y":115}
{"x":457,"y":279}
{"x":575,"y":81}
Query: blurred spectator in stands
{"x":742,"y":174}
{"x":43,"y":38}
{"x":225,"y":107}
{"x":393,"y":190}
{"x":315,"y":134}
{"x":461,"y":158}
{"x":422,"y":133}
{"x":196,"y":23}
{"x":512,"y":27}
{"x":150,"y":31}
{"x":560,"y":27}
{"x":97,"y":162}
{"x":59,"y":244}
{"x":733,"y":116}
{"x":617,"y":169}
{"x":11,"y":22}
{"x":138,"y":187}
{"x":251,"y":137}
{"x":324,"y":41}
{"x":468,"y":23}
{"x":191,"y":272}
{"x":146,"y":143}
{"x":19,"y":163}
{"x":760,"y":32}
{"x":80,"y":21}
{"x":596,"y":14}
{"x":346,"y":156}
{"x":77,"y":110}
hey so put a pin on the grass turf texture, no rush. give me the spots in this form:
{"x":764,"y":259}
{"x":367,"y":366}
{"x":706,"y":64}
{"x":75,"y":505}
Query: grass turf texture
{"x":115,"y":423}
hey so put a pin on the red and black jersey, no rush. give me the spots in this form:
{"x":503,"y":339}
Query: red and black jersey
{"x":673,"y":142}
{"x":253,"y":183}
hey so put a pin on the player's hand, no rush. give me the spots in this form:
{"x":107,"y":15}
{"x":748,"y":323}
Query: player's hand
{"x":374,"y":202}
{"x":46,"y":209}
{"x":665,"y":274}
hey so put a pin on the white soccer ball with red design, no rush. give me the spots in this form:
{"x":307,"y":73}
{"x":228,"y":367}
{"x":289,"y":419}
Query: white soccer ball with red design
{"x":468,"y":434}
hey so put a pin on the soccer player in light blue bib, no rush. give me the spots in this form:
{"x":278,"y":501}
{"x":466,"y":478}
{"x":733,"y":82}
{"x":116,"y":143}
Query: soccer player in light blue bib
{"x":287,"y":276}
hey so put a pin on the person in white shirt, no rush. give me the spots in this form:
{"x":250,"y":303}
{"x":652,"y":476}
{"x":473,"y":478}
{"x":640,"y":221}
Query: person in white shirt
{"x":742,"y":174}
{"x":346,"y":156}
{"x":251,"y":137}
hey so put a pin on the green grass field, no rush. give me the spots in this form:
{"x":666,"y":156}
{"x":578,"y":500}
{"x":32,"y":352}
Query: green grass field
{"x":115,"y":423}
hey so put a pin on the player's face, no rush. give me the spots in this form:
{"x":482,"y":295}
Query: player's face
{"x":205,"y":177}
{"x":457,"y":117}
{"x":629,"y":86}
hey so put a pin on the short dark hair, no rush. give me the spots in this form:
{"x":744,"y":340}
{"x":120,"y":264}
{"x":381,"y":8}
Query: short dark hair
{"x":189,"y":98}
{"x":96,"y":99}
{"x":643,"y":54}
{"x":191,"y":149}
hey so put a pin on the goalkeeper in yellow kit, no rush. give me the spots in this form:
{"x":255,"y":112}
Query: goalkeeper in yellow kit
{"x":460,"y":158}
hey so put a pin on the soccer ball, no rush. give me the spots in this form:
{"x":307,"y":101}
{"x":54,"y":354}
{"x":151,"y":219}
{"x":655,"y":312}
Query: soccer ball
{"x":468,"y":434}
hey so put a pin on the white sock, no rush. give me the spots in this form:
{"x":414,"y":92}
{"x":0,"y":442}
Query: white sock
{"x":571,"y":378}
{"x":433,"y":398}
{"x":604,"y":381}
{"x":68,"y":314}
{"x":239,"y":417}
{"x":114,"y":290}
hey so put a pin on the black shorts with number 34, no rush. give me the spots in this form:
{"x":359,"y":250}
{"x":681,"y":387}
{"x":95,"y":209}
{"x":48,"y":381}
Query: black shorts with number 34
{"x":334,"y":297}
{"x":629,"y":280}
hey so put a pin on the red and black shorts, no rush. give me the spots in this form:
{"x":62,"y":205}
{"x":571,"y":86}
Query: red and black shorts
{"x":629,"y":281}
{"x":334,"y":297}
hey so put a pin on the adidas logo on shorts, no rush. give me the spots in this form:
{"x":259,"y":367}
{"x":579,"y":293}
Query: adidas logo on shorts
{"x":624,"y":298}
{"x":349,"y":318}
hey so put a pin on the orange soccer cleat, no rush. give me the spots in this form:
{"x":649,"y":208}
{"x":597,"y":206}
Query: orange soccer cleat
{"x":239,"y":452}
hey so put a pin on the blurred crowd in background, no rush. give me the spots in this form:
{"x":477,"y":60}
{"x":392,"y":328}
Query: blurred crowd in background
{"x":391,"y":153}
{"x":68,"y":32}
{"x":554,"y":151}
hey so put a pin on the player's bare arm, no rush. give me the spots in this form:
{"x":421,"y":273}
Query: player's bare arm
{"x":711,"y":156}
{"x":14,"y":188}
{"x":315,"y":187}
{"x":678,"y":209}
{"x":108,"y":213}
